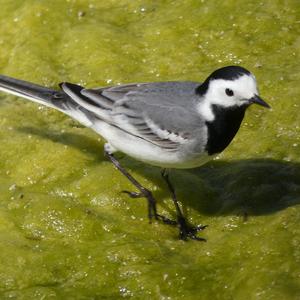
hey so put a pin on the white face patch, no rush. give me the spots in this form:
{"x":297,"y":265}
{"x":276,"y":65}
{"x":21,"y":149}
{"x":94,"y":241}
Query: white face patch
{"x":243,"y":89}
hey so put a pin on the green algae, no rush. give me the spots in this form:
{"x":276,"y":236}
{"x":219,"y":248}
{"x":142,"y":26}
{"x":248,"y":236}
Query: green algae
{"x":66,"y":231}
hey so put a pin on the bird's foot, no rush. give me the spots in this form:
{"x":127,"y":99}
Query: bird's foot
{"x":134,"y":194}
{"x":166,"y":220}
{"x":152,"y":211}
{"x":189,"y":232}
{"x":185,"y":230}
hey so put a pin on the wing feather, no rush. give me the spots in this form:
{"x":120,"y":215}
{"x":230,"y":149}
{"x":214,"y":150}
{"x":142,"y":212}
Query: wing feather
{"x":138,"y":110}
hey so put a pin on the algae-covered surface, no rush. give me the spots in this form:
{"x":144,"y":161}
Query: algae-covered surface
{"x":67,"y":231}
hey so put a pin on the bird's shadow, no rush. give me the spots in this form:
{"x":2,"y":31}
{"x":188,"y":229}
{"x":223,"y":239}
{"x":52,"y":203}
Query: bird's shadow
{"x":78,"y":141}
{"x":251,"y":186}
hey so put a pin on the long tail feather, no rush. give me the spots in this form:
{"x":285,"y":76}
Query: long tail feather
{"x":42,"y":95}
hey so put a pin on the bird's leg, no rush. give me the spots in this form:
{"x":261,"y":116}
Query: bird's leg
{"x":185,"y":230}
{"x":143,"y":192}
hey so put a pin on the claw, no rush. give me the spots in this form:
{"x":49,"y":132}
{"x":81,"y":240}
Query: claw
{"x":151,"y":202}
{"x":201,"y":227}
{"x":133,"y":194}
{"x":186,"y":231}
{"x":151,"y":209}
{"x":196,"y":238}
{"x":166,"y":220}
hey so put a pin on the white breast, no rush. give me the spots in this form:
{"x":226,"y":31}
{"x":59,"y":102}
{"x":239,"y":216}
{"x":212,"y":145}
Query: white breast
{"x":146,"y":151}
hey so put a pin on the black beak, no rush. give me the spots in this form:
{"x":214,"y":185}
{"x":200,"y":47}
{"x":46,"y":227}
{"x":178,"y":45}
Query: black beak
{"x":256,"y":99}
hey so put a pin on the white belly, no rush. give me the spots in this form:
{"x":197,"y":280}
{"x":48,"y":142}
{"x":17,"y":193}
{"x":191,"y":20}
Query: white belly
{"x":146,"y":151}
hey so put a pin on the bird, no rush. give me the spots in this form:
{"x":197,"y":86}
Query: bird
{"x":171,"y":124}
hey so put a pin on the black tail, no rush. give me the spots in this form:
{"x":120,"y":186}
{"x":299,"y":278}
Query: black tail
{"x":52,"y":98}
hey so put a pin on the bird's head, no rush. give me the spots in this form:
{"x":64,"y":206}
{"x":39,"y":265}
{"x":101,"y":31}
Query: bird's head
{"x":231,"y":86}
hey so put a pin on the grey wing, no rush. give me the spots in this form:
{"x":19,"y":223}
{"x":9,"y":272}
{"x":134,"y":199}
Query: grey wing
{"x":160,"y":113}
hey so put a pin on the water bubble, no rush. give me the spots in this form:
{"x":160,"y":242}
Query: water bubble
{"x":13,"y":187}
{"x":125,"y":292}
{"x":81,"y":14}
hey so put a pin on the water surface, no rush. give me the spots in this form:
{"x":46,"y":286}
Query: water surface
{"x":66,"y":231}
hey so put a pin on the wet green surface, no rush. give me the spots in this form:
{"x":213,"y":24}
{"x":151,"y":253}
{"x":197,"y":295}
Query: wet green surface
{"x":66,"y":231}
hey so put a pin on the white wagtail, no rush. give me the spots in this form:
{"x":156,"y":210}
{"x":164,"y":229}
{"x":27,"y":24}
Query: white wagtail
{"x":167,"y":124}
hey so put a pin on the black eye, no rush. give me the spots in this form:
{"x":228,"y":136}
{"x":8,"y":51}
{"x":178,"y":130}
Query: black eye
{"x":229,"y":92}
